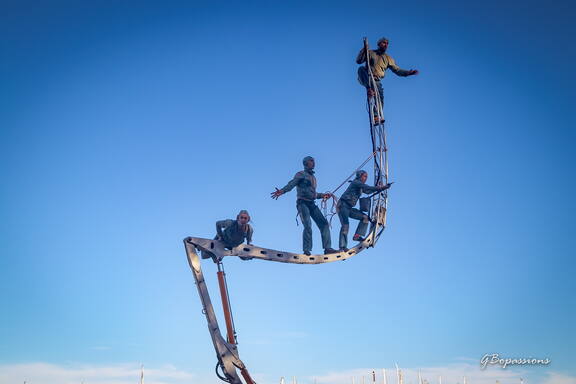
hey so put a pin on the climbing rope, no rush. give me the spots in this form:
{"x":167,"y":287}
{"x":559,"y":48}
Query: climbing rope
{"x":353,"y":173}
{"x":330,"y":213}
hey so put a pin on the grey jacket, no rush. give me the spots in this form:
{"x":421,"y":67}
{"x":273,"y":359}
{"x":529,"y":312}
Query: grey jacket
{"x":355,"y":190}
{"x":233,"y":235}
{"x":379,"y":63}
{"x":305,"y":183}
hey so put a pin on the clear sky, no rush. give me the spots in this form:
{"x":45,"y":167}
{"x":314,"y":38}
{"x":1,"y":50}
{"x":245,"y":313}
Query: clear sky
{"x":127,"y":126}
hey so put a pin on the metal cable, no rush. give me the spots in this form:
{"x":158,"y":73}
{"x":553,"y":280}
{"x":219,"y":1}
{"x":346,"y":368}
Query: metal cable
{"x":223,"y":378}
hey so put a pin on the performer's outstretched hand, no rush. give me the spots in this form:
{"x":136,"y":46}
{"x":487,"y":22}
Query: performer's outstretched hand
{"x":276,"y":194}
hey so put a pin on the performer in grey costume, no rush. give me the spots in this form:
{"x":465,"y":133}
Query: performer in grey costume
{"x":346,"y":208}
{"x":305,"y":183}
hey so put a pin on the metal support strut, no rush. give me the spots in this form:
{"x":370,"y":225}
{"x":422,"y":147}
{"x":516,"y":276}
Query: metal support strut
{"x":230,"y":331}
{"x":226,"y":350}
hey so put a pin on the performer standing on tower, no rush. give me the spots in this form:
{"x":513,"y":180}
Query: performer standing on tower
{"x":379,"y":62}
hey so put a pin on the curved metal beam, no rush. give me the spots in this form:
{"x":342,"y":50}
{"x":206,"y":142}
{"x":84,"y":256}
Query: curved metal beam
{"x":227,"y":353}
{"x":253,"y":252}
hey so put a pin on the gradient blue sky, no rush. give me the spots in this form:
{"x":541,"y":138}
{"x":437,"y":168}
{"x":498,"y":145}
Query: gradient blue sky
{"x":127,"y":126}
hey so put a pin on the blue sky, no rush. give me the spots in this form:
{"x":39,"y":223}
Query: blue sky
{"x":125,"y":127}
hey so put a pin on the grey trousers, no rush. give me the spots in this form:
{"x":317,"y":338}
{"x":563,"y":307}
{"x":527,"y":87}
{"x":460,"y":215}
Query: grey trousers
{"x":345,"y":211}
{"x":309,"y":209}
{"x":363,"y":78}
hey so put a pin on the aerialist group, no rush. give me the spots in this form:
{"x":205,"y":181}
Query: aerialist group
{"x":234,"y":232}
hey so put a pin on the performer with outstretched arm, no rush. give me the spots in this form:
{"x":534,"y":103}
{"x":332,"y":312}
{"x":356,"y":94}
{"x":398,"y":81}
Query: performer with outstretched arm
{"x":379,"y":62}
{"x":305,"y":183}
